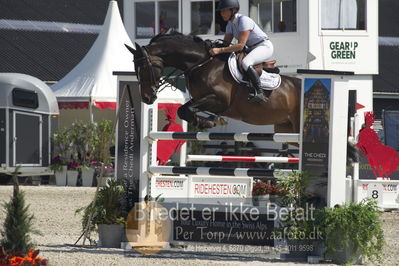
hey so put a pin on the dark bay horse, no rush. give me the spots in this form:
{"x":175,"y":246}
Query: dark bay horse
{"x":212,"y":87}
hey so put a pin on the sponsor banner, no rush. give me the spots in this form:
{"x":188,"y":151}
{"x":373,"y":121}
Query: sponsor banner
{"x":234,"y":190}
{"x":228,"y":227}
{"x":343,"y":51}
{"x":169,"y":187}
{"x":220,"y":189}
{"x":240,"y":224}
{"x":237,"y":187}
{"x":162,"y":183}
{"x":391,"y":129}
{"x":316,"y":117}
{"x":128,"y":142}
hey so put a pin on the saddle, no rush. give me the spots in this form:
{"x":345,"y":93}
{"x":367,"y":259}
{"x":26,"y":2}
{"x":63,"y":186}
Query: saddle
{"x":268,"y":66}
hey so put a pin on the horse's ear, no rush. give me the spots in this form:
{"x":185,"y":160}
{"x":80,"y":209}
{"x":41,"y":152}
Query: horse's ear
{"x":131,"y":49}
{"x":139,"y":50}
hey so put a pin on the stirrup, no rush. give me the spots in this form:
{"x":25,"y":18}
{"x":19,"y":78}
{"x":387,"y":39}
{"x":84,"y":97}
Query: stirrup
{"x":259,"y":97}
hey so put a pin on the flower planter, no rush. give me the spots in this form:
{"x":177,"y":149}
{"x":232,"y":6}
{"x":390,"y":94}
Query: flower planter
{"x":346,"y":255}
{"x":36,"y":180}
{"x":61,"y":177}
{"x":261,"y":200}
{"x":110,"y":235}
{"x":87,"y":176}
{"x":72,"y":178}
{"x":103,"y":180}
{"x":276,"y":199}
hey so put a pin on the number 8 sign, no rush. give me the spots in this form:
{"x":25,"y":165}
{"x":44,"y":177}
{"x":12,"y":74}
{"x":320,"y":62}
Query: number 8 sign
{"x":376,"y":191}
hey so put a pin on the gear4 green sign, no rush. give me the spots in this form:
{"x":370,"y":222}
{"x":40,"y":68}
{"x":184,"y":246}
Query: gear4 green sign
{"x":343,"y":50}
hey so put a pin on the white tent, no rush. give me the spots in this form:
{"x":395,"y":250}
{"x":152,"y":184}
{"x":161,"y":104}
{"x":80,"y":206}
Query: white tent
{"x":91,"y":83}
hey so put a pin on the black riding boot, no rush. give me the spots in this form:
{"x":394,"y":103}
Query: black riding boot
{"x":255,"y":92}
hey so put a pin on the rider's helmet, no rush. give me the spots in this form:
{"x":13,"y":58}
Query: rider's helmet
{"x":226,"y":4}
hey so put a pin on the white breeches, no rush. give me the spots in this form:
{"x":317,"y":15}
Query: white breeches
{"x":262,"y":53}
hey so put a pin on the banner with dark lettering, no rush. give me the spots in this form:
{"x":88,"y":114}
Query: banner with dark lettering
{"x":128,"y":142}
{"x":226,"y":224}
{"x":391,"y":129}
{"x":316,"y":117}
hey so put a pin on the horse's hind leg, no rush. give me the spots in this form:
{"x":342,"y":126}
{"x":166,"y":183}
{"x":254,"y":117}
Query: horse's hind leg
{"x":283,"y":128}
{"x":286,"y":127}
{"x":188,"y":112}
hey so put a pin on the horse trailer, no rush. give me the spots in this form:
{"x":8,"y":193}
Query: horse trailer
{"x":28,"y":117}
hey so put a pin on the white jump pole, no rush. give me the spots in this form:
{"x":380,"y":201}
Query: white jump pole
{"x":218,"y":171}
{"x":257,"y":159}
{"x":243,"y":137}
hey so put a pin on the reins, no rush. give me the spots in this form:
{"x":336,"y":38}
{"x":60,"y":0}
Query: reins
{"x":170,"y":79}
{"x":157,"y":87}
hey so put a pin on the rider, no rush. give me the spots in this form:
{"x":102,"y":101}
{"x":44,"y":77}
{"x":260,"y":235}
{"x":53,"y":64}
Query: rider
{"x":245,"y":30}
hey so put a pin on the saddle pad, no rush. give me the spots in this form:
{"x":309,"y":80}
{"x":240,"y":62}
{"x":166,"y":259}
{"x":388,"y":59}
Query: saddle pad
{"x":268,"y":81}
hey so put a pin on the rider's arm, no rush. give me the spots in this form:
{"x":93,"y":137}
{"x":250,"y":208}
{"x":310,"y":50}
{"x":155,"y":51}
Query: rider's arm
{"x":228,"y":38}
{"x":242,"y":40}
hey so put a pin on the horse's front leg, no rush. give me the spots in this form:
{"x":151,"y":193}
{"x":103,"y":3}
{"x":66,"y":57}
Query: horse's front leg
{"x":208,"y":103}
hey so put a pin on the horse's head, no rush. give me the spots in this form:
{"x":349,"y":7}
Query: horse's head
{"x":149,"y":70}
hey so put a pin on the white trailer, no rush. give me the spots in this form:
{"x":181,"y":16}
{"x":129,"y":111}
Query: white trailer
{"x":28,"y":116}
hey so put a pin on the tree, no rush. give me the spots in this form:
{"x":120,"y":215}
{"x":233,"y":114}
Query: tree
{"x":18,"y":224}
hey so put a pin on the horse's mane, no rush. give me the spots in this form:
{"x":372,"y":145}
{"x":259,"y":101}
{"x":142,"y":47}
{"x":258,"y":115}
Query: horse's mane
{"x":189,"y":40}
{"x":175,"y":35}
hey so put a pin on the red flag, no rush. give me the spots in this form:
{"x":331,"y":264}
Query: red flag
{"x":359,"y":106}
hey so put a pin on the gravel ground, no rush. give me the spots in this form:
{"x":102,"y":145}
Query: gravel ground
{"x":54,"y":211}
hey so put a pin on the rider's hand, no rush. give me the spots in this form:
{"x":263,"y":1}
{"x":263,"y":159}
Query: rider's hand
{"x":215,"y":51}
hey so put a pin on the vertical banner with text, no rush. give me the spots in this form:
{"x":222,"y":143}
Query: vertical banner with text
{"x":128,"y":142}
{"x":316,"y":117}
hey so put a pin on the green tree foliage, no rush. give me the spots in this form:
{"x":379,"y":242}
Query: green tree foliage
{"x":18,"y":224}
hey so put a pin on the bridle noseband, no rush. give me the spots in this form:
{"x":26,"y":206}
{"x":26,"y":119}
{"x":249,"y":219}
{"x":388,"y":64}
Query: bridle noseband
{"x":145,"y":62}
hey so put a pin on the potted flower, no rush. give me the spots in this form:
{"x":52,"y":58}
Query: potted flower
{"x":352,"y":231}
{"x":61,"y":146}
{"x":104,"y":137}
{"x":105,"y":214}
{"x":73,"y":173}
{"x":261,"y":191}
{"x":295,"y":227}
{"x":87,"y":171}
{"x":264,"y":192}
{"x":104,"y":174}
{"x":83,"y":137}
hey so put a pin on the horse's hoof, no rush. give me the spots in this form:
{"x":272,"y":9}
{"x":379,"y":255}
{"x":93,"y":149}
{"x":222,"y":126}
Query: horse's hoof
{"x":202,"y":123}
{"x":208,"y":124}
{"x":221,"y":121}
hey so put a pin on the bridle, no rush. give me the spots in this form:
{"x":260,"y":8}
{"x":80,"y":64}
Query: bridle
{"x":147,"y":62}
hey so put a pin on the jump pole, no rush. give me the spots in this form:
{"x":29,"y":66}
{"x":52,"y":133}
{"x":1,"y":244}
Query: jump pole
{"x":228,"y":158}
{"x":219,"y":171}
{"x":206,"y":136}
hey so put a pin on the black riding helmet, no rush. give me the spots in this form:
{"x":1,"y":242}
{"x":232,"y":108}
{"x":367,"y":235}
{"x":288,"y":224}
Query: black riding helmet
{"x":226,"y":4}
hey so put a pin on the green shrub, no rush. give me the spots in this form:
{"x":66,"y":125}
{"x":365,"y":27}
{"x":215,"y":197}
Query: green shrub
{"x":106,"y":208}
{"x":357,"y":226}
{"x":18,"y":224}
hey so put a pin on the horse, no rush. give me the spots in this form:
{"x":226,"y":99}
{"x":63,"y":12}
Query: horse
{"x":214,"y":90}
{"x":211,"y":85}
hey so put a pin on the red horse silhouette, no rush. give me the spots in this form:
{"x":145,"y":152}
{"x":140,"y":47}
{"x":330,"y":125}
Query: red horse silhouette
{"x":383,"y":160}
